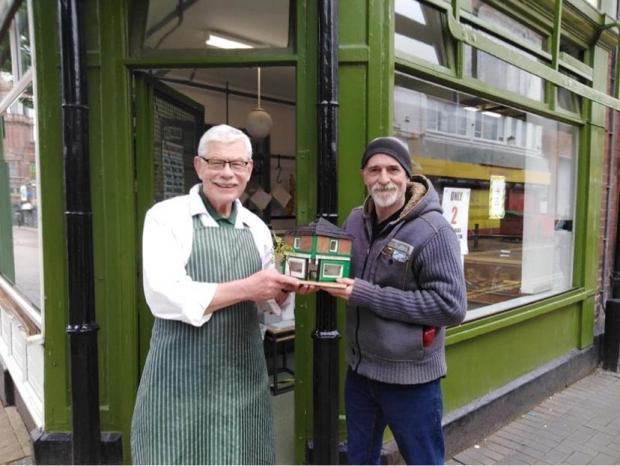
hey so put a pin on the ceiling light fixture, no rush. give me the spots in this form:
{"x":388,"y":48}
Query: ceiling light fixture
{"x":221,"y":42}
{"x":258,"y":122}
{"x":470,"y":109}
{"x":491,"y":114}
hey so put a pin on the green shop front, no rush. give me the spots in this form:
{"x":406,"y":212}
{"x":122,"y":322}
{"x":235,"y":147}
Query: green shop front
{"x":504,"y":105}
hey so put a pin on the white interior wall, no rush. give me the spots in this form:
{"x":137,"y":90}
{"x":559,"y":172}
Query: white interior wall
{"x":283,"y":116}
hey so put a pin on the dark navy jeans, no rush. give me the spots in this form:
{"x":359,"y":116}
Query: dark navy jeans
{"x":413,"y":413}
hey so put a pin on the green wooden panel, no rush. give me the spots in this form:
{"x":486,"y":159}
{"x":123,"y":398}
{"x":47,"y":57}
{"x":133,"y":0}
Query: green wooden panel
{"x":350,"y":28}
{"x":49,"y":136}
{"x":354,"y":101}
{"x":7,"y":259}
{"x":143,"y":98}
{"x":113,"y":204}
{"x":480,"y":365}
{"x":306,"y":137}
{"x":380,"y":69}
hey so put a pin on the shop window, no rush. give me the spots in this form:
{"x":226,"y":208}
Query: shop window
{"x":213,"y":24}
{"x":419,"y":31}
{"x":513,"y":173}
{"x":20,"y":209}
{"x":19,"y":198}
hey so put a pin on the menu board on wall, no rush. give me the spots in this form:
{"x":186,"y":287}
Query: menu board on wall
{"x":177,"y":127}
{"x":172,"y":168}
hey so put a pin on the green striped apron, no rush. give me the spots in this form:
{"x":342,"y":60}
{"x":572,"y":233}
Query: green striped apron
{"x":204,"y":397}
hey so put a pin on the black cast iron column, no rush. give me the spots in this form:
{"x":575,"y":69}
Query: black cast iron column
{"x":326,"y":336}
{"x":82,"y":327}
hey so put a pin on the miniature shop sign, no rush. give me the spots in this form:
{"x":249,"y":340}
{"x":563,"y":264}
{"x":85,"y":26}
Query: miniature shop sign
{"x":318,"y":253}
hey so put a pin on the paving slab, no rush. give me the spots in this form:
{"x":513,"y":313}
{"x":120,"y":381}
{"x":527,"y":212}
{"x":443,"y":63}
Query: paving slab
{"x":577,"y":425}
{"x":15,"y":446}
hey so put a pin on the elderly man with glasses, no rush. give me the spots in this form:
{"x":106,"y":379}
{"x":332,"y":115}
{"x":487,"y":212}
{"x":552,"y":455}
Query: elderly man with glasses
{"x":207,"y":261}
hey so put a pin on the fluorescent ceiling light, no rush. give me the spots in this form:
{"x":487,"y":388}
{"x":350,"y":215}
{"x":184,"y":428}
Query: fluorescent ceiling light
{"x":491,"y":114}
{"x":220,"y":42}
{"x":470,"y":109}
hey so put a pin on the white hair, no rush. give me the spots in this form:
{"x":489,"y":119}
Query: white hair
{"x":226,"y":135}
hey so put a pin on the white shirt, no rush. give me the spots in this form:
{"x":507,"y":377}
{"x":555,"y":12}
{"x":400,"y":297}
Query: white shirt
{"x":166,"y":246}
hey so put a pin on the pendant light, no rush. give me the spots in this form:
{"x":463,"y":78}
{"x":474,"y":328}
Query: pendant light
{"x":258,"y":122}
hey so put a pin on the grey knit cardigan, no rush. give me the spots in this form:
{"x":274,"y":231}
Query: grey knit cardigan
{"x":407,"y":279}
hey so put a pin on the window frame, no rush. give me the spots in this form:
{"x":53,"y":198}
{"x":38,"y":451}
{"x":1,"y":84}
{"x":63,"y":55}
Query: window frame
{"x":461,"y":30}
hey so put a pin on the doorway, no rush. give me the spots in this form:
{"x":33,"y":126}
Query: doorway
{"x":173,"y":109}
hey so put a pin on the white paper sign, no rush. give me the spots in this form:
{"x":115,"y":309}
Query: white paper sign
{"x":261,"y":199}
{"x":281,"y":195}
{"x":497,"y":197}
{"x":455,"y":206}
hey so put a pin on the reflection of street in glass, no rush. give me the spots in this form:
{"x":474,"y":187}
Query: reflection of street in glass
{"x":27,"y":268}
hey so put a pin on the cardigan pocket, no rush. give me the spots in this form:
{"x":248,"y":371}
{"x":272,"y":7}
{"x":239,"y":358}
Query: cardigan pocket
{"x":389,"y":340}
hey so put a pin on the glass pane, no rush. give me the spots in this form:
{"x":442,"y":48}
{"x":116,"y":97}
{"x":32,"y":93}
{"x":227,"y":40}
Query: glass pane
{"x":496,"y":72}
{"x":7,"y":78}
{"x":223,"y":24}
{"x":501,"y":74}
{"x":506,"y":23}
{"x":419,"y":31}
{"x":516,"y":174}
{"x":23,"y":39}
{"x":18,"y":150}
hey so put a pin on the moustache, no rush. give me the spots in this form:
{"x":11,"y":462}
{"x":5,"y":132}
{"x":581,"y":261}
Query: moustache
{"x":377,"y":188}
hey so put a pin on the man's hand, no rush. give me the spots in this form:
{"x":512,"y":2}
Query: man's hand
{"x":343,"y":293}
{"x":307,"y":289}
{"x":269,"y":284}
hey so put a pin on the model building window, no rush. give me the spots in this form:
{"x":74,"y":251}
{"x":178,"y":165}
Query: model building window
{"x":333,"y":245}
{"x":297,"y":267}
{"x":296,"y":243}
{"x":332,"y":271}
{"x":510,"y":184}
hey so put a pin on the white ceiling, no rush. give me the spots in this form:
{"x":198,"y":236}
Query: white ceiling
{"x":278,"y":82}
{"x":264,"y":24}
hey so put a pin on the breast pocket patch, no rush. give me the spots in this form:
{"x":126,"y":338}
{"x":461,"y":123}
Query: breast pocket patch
{"x":398,"y":251}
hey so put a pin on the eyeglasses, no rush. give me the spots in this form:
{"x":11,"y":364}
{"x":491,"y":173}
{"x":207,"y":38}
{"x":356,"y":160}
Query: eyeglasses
{"x":219,"y":164}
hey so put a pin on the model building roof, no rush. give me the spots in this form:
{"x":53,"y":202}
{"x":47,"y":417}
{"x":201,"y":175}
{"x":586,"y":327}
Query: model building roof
{"x":321,"y":227}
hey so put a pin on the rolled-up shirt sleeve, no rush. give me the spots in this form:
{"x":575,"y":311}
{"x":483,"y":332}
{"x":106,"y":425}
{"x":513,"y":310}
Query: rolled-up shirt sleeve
{"x":169,"y":290}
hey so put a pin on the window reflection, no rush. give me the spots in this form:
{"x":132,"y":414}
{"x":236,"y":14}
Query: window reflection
{"x":496,"y":72}
{"x":203,"y":24}
{"x":18,"y":151}
{"x":418,"y":31}
{"x":506,"y":23}
{"x":22,"y":39}
{"x":500,"y":74}
{"x":519,"y":172}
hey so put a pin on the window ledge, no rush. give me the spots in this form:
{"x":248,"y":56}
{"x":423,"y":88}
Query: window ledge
{"x":26,"y":313}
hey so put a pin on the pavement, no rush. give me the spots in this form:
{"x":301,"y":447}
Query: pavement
{"x":578,"y":425}
{"x":15,"y":447}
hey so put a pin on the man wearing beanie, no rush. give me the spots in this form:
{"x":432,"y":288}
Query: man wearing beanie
{"x":407,"y":286}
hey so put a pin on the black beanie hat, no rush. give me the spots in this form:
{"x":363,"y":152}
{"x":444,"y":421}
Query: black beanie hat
{"x":391,"y":146}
